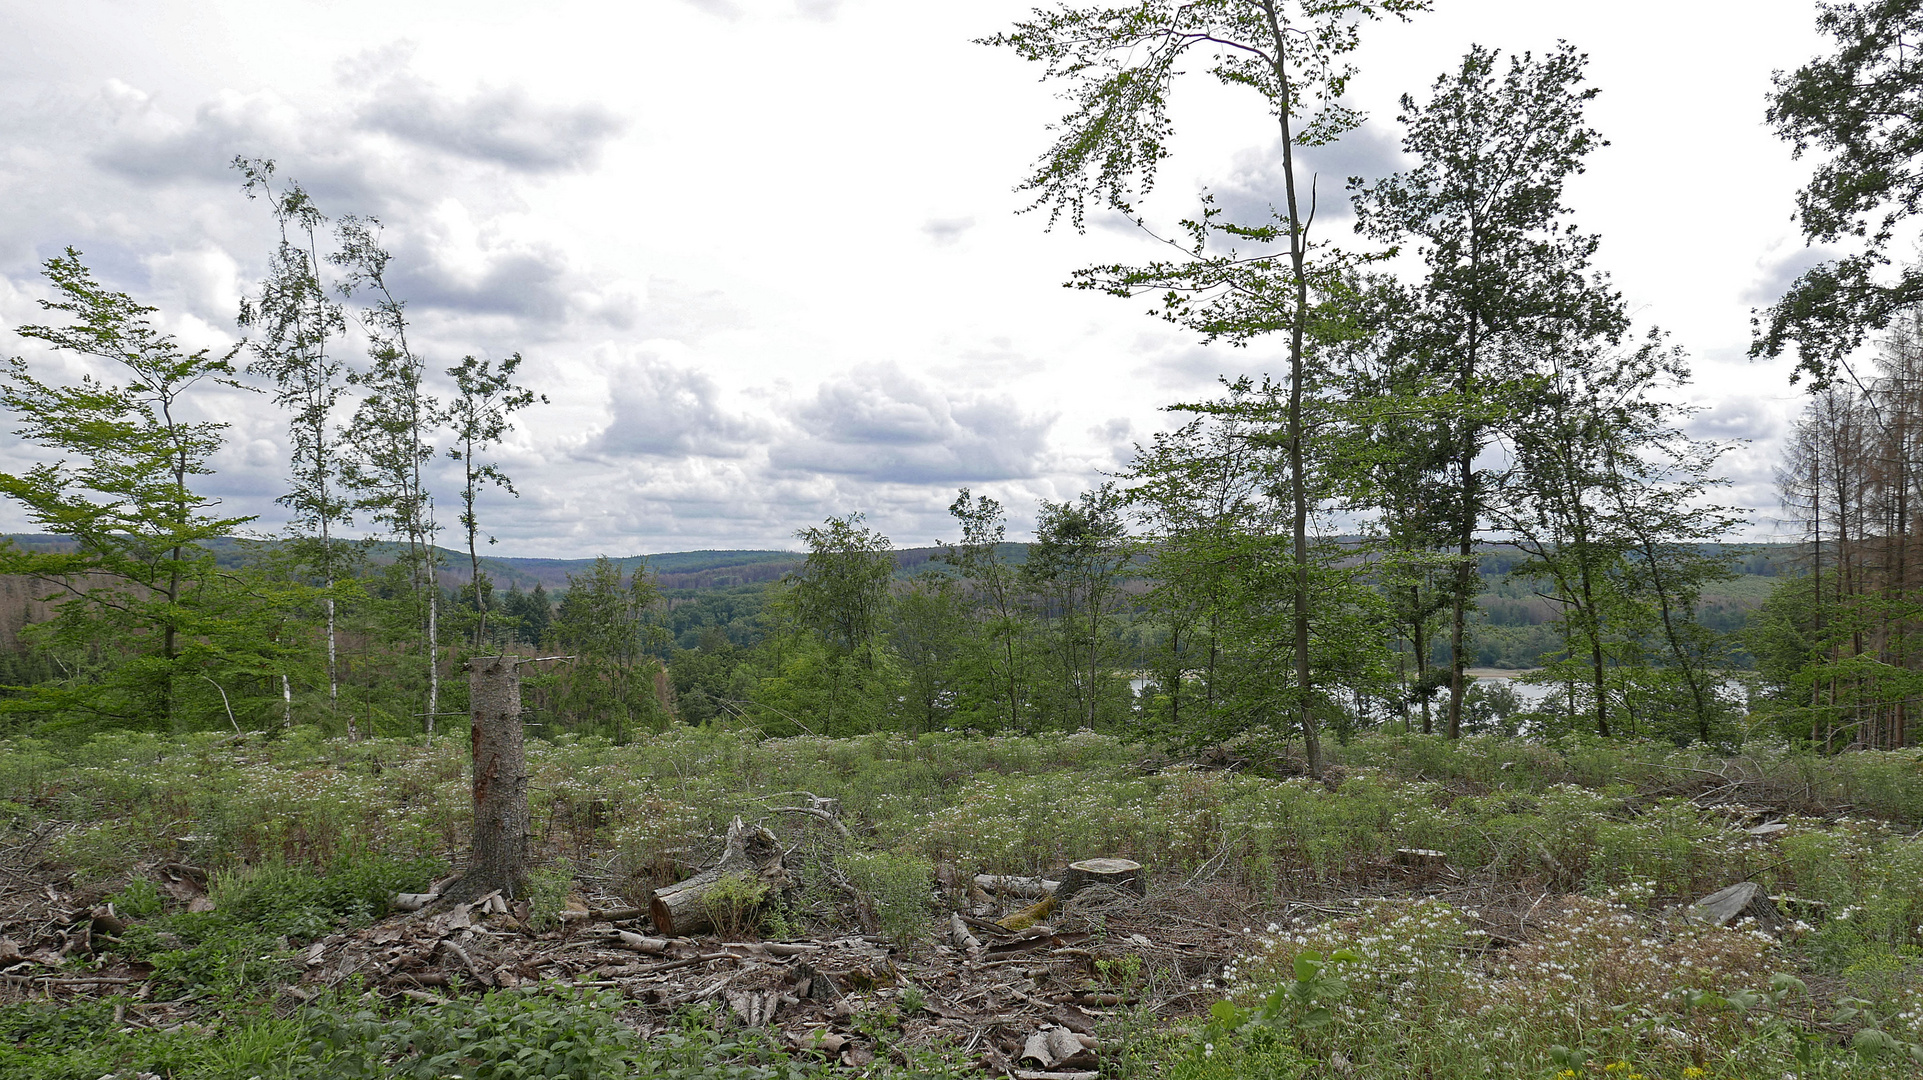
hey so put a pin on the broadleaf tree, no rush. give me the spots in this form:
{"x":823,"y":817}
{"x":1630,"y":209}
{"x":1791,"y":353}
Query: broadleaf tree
{"x":480,"y":414}
{"x":125,"y":457}
{"x":389,"y":436}
{"x":1118,"y":63}
{"x":296,"y":319}
{"x":1504,"y":273}
{"x":1861,"y":108}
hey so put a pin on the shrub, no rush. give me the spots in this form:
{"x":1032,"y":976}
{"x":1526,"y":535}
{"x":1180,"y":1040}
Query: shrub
{"x":899,"y":886}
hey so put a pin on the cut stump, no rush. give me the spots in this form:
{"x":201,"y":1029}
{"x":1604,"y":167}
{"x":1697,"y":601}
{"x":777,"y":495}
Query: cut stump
{"x":1121,"y":874}
{"x":501,"y":831}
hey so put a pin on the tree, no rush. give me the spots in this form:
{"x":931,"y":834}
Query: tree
{"x":929,"y":634}
{"x":1216,"y":506}
{"x":296,"y":320}
{"x":1120,"y":61}
{"x":841,"y":591}
{"x":531,"y":612}
{"x":1608,"y":498}
{"x":486,"y":399}
{"x":1202,"y":493}
{"x":388,"y":436}
{"x":996,"y":593}
{"x":1075,"y":569}
{"x":604,"y":621}
{"x":121,"y":485}
{"x":1505,"y":273}
{"x":1863,"y":106}
{"x":838,"y":603}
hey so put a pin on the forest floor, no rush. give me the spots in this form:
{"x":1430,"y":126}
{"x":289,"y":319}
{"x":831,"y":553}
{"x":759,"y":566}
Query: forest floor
{"x":1489,"y":907}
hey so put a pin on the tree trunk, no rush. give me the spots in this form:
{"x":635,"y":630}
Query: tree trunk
{"x":500,"y":855}
{"x":434,"y":665}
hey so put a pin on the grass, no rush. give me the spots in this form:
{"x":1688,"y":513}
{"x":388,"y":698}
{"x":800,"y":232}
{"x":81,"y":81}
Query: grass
{"x":304,"y":835}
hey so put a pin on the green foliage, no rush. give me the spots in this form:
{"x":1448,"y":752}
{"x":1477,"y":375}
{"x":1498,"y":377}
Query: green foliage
{"x":152,"y":628}
{"x":504,"y":1035}
{"x":547,"y":894}
{"x":1858,"y":107}
{"x":899,"y":887}
{"x":733,"y":904}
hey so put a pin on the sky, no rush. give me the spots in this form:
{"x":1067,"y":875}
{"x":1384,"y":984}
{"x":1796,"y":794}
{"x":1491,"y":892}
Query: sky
{"x":765,"y":258}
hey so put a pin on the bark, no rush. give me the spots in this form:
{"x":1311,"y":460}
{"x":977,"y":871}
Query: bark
{"x":500,"y":856}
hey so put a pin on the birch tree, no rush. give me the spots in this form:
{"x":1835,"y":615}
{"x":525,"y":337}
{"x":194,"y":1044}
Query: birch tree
{"x":296,"y":320}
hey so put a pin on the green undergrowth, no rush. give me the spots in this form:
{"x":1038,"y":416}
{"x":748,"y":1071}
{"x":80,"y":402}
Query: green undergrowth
{"x":300,"y":836}
{"x":545,"y":1031}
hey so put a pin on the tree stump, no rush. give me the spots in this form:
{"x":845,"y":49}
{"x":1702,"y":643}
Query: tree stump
{"x":500,"y":854}
{"x":752,"y":852}
{"x":1117,"y":873}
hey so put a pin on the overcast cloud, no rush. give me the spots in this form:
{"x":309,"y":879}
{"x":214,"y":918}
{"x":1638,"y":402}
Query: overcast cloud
{"x":764,"y":256}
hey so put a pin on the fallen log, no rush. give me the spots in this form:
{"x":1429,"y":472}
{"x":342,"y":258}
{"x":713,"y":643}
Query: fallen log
{"x":653,"y":946}
{"x":752,"y":852}
{"x":618,"y":914}
{"x":1032,"y":888}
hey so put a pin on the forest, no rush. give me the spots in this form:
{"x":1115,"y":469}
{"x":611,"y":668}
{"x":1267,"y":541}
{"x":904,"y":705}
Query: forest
{"x":1677,"y":839}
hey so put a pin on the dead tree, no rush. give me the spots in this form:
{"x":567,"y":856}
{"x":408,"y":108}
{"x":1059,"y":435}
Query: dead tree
{"x":500,"y":856}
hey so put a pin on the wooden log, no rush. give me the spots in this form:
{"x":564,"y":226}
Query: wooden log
{"x":1029,"y":916}
{"x":1122,"y":874}
{"x":1421,"y":858}
{"x":752,"y":852}
{"x":1032,"y":888}
{"x":618,"y":914}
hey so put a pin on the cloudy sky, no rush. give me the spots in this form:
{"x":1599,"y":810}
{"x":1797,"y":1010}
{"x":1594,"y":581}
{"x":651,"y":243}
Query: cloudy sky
{"x":764,"y":256}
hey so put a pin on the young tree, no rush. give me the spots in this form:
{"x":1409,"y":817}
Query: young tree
{"x":1608,"y":498}
{"x":1120,"y":61}
{"x":604,"y":621}
{"x":1505,"y":273}
{"x":296,"y":320}
{"x":837,"y":605}
{"x":1075,"y":569}
{"x":481,"y":413}
{"x":929,"y":634}
{"x":121,"y":483}
{"x":996,"y":591}
{"x":1203,"y":494}
{"x":388,"y":437}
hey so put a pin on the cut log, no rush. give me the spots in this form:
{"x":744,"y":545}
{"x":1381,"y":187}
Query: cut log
{"x":1032,"y":888}
{"x":1421,"y":858}
{"x":1116,"y":873}
{"x":1029,"y":916}
{"x":619,"y":914}
{"x":752,"y":852}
